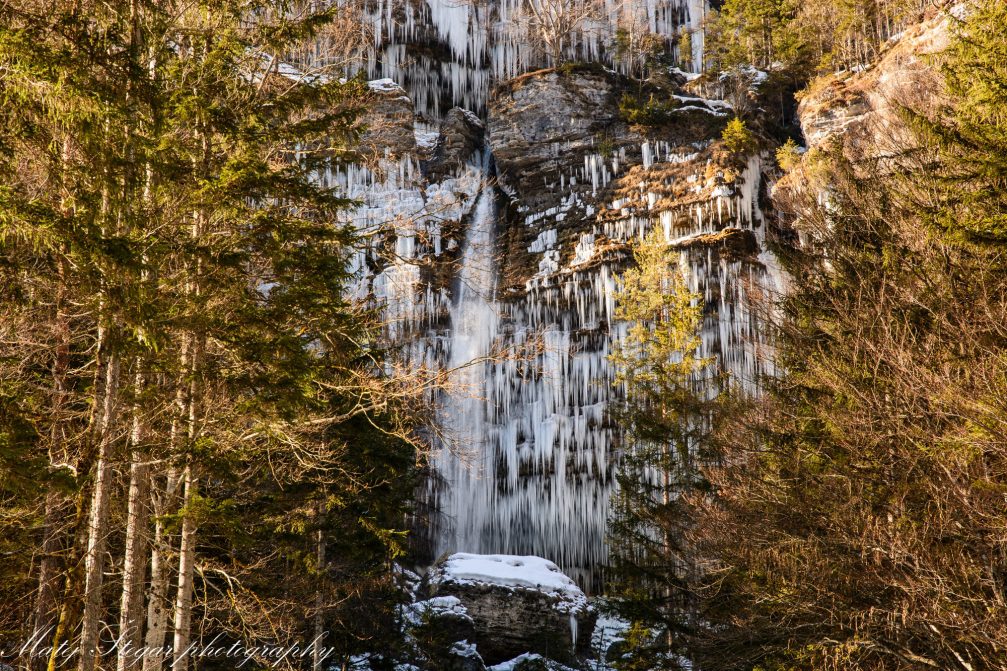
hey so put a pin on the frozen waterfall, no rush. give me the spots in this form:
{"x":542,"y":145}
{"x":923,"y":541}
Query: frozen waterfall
{"x":527,"y":457}
{"x":463,"y":456}
{"x":523,"y":463}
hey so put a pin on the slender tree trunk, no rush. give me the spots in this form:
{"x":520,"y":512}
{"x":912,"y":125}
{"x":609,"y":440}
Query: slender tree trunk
{"x":187,"y":544}
{"x":94,"y":564}
{"x":48,"y":574}
{"x":159,"y":605}
{"x":69,"y":607}
{"x":157,"y":601}
{"x":134,"y":562}
{"x":186,"y":571}
{"x":46,"y":605}
{"x":316,"y":656}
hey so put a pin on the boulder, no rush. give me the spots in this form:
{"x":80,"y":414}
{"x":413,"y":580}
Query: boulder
{"x":517,"y":604}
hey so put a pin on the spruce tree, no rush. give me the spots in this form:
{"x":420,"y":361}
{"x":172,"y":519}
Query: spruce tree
{"x":199,"y":398}
{"x":667,"y":415}
{"x":855,"y":523}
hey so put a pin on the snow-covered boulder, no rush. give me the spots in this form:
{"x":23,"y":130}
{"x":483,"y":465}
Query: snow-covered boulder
{"x":517,"y":604}
{"x":530,"y":662}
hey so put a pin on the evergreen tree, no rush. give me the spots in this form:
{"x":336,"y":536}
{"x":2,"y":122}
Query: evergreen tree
{"x":970,"y":133}
{"x":198,"y":399}
{"x":667,"y":415}
{"x":855,"y":524}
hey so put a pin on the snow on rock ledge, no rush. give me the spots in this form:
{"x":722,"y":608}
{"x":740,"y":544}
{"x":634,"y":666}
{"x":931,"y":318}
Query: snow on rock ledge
{"x":513,"y":571}
{"x":519,"y":604}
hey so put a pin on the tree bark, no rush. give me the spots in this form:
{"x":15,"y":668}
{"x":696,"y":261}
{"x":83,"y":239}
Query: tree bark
{"x":48,"y":579}
{"x":157,"y":601}
{"x":69,"y":608}
{"x":97,"y":532}
{"x":159,"y":605}
{"x":46,"y":605}
{"x":316,"y":656}
{"x":186,"y":570}
{"x":134,"y":564}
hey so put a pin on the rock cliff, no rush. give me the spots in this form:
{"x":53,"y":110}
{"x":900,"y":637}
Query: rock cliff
{"x":860,"y":114}
{"x":861,"y":109}
{"x":568,"y":168}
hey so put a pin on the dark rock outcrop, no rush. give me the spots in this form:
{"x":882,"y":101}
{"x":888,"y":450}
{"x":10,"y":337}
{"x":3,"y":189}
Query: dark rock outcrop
{"x":461,"y":135}
{"x":388,"y":121}
{"x":731,"y":243}
{"x":517,"y":605}
{"x":542,"y":123}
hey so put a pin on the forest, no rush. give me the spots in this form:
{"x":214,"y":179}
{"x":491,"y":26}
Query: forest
{"x":701,"y":304}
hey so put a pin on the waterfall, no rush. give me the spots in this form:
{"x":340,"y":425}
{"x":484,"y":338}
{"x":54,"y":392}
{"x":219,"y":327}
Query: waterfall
{"x":526,"y":460}
{"x":523,"y":464}
{"x":523,"y":450}
{"x":463,"y":456}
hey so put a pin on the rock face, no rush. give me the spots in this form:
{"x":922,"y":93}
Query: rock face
{"x":861,"y":108}
{"x":588,"y":162}
{"x":563,"y":146}
{"x":534,"y":115}
{"x":858,"y":113}
{"x":388,"y":121}
{"x":461,"y":135}
{"x":517,"y":605}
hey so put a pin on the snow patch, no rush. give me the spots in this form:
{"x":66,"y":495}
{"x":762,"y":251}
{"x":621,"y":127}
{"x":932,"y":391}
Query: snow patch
{"x":472,"y":118}
{"x":689,"y":76}
{"x":439,"y":606}
{"x":464,"y":649}
{"x":524,"y":572}
{"x":528,"y":657}
{"x":426,"y":139}
{"x":385,"y":85}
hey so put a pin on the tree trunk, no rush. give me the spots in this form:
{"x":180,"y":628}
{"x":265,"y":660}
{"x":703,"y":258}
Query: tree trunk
{"x":316,"y":656}
{"x":159,"y":605}
{"x":94,"y":559}
{"x":48,"y":575}
{"x":157,"y":601}
{"x":46,"y":605}
{"x":69,"y":608}
{"x":134,"y":565}
{"x":186,"y":566}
